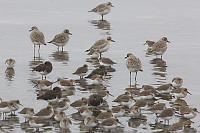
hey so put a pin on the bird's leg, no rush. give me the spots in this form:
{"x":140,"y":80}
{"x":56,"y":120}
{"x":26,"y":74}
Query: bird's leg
{"x":100,"y":55}
{"x":58,"y":48}
{"x":135,"y":75}
{"x":42,"y":77}
{"x":130,"y":79}
{"x":34,"y":51}
{"x":62,"y":48}
{"x":45,"y":77}
{"x":161,"y":57}
{"x":39,"y":48}
{"x":102,"y":17}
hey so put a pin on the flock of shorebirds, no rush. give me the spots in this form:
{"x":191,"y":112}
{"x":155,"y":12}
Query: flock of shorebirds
{"x":94,"y":112}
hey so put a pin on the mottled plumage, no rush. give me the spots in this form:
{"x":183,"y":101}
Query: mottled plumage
{"x":81,"y":71}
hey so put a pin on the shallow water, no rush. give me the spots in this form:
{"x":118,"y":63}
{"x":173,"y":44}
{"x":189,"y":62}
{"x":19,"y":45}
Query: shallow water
{"x":130,"y":24}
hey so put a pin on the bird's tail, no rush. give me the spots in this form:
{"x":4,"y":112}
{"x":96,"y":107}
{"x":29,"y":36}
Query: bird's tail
{"x":49,"y":42}
{"x":87,"y":50}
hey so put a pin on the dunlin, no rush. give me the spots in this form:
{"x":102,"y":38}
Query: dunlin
{"x":105,"y":115}
{"x":51,"y":95}
{"x":180,"y":92}
{"x":146,"y":94}
{"x":44,"y":68}
{"x":106,"y":61}
{"x":37,"y":123}
{"x":157,"y":108}
{"x":167,"y":114}
{"x":5,"y":107}
{"x":135,"y":111}
{"x":59,"y":115}
{"x":176,"y":127}
{"x":97,"y":80}
{"x":16,"y":104}
{"x":141,"y":104}
{"x":133,"y":64}
{"x":180,"y":102}
{"x":103,"y":93}
{"x":160,"y":47}
{"x":80,"y":103}
{"x":188,"y":113}
{"x":177,"y":82}
{"x":110,"y":123}
{"x":45,"y":113}
{"x":63,"y":105}
{"x":148,"y":87}
{"x":95,"y":100}
{"x":101,"y":70}
{"x":90,"y":121}
{"x":65,"y":83}
{"x":101,"y":45}
{"x":65,"y":123}
{"x":118,"y":111}
{"x":102,"y":9}
{"x":125,"y":100}
{"x":149,"y":43}
{"x":10,"y":63}
{"x":27,"y":113}
{"x":164,"y":89}
{"x":37,"y":37}
{"x":81,"y":71}
{"x":44,"y":84}
{"x":61,"y":39}
{"x":85,"y":111}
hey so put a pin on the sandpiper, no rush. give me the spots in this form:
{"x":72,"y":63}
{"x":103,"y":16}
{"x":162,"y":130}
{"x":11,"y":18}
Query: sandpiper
{"x":160,"y":47}
{"x":157,"y":108}
{"x":106,"y":61}
{"x":79,"y":103}
{"x":177,"y":82}
{"x":188,"y":113}
{"x":102,"y":9}
{"x":10,"y":63}
{"x":167,"y":114}
{"x":118,"y":111}
{"x":44,"y":68}
{"x":180,"y":102}
{"x":125,"y":100}
{"x":180,"y":92}
{"x":101,"y":45}
{"x":63,"y":105}
{"x":45,"y":113}
{"x":43,"y":84}
{"x":95,"y":100}
{"x":90,"y":121}
{"x":141,"y":104}
{"x":81,"y":71}
{"x":37,"y":37}
{"x":51,"y":95}
{"x":101,"y":70}
{"x":27,"y":113}
{"x":149,"y":43}
{"x":37,"y":122}
{"x":103,"y":93}
{"x":135,"y":111}
{"x":59,"y":115}
{"x":176,"y":127}
{"x":85,"y":111}
{"x":164,"y":89}
{"x":15,"y":106}
{"x":97,"y":80}
{"x":65,"y":83}
{"x":133,"y":64}
{"x":105,"y":115}
{"x":5,"y":107}
{"x":61,"y":39}
{"x":146,"y":94}
{"x":65,"y":123}
{"x":110,"y":123}
{"x":148,"y":87}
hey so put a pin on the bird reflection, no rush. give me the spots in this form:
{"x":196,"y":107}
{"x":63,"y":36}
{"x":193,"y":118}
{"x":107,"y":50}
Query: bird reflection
{"x":10,"y":73}
{"x":101,"y":24}
{"x":159,"y":70}
{"x":34,"y":52}
{"x":60,"y":56}
{"x":8,"y":124}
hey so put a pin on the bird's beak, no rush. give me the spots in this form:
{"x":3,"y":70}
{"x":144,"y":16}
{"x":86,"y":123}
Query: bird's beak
{"x":55,"y":81}
{"x":30,"y":30}
{"x":189,"y":92}
{"x":126,"y":57}
{"x":20,"y":104}
{"x":110,"y":94}
{"x":145,"y":43}
{"x":111,"y":5}
{"x":120,"y":123}
{"x":168,"y":41}
{"x":112,"y":41}
{"x":70,"y":33}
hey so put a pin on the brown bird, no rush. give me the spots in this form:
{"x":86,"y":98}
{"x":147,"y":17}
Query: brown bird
{"x":27,"y":113}
{"x":95,"y":100}
{"x":105,"y":115}
{"x":81,"y":71}
{"x":44,"y":68}
{"x":79,"y":103}
{"x":167,"y":114}
{"x":45,"y":113}
{"x":149,"y":43}
{"x":43,"y":84}
{"x":106,"y":61}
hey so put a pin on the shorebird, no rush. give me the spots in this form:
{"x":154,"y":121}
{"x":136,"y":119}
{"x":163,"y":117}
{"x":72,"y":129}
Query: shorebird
{"x":160,"y":47}
{"x":27,"y":113}
{"x":101,"y":45}
{"x":81,"y":71}
{"x":110,"y":123}
{"x":180,"y":92}
{"x":65,"y":83}
{"x":79,"y":103}
{"x":59,"y":115}
{"x":85,"y":111}
{"x":188,"y":113}
{"x":103,"y":93}
{"x":90,"y":121}
{"x":37,"y":37}
{"x":37,"y":123}
{"x":61,"y":39}
{"x":133,"y":64}
{"x":164,"y":89}
{"x":142,"y":104}
{"x":51,"y":95}
{"x":63,"y":105}
{"x":135,"y":111}
{"x":5,"y":107}
{"x":157,"y":108}
{"x":125,"y":100}
{"x":102,"y":9}
{"x":146,"y":95}
{"x":44,"y":84}
{"x":149,"y":43}
{"x":167,"y":114}
{"x":10,"y":63}
{"x":44,"y":68}
{"x":15,"y":106}
{"x":106,"y":61}
{"x":65,"y":123}
{"x":176,"y":127}
{"x":101,"y":70}
{"x":95,"y":100}
{"x":45,"y":113}
{"x":118,"y":111}
{"x":105,"y":115}
{"x":177,"y":82}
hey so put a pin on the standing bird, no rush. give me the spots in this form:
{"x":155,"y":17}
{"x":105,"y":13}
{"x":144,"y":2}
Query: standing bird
{"x":102,"y":9}
{"x":133,"y":64}
{"x":37,"y":37}
{"x":177,"y":82}
{"x":61,"y":39}
{"x":44,"y":68}
{"x":81,"y":71}
{"x":149,"y":43}
{"x":160,"y":47}
{"x":101,"y":45}
{"x":10,"y":63}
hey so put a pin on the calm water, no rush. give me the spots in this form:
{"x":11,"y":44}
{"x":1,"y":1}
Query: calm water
{"x":130,"y":24}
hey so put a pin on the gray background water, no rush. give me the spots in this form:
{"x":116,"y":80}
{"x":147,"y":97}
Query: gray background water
{"x":130,"y":24}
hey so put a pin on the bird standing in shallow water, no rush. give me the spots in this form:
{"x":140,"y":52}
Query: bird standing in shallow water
{"x":102,"y":9}
{"x":61,"y":39}
{"x":81,"y":71}
{"x":133,"y":64}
